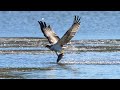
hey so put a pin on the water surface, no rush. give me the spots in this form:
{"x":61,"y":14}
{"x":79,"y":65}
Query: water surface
{"x":94,"y":52}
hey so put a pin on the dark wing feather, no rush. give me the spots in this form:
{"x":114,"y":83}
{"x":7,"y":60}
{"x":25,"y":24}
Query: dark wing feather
{"x":71,"y":32}
{"x":48,"y":33}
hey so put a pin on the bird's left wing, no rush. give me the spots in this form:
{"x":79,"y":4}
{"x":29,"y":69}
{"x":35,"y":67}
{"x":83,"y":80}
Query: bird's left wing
{"x":48,"y":33}
{"x":71,"y":32}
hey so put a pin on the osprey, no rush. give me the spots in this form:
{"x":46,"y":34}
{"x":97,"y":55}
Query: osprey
{"x":56,"y":44}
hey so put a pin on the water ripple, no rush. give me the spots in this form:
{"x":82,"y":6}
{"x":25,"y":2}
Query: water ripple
{"x":36,"y":45}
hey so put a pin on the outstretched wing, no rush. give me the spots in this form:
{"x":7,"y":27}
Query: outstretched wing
{"x":71,"y":32}
{"x":48,"y":33}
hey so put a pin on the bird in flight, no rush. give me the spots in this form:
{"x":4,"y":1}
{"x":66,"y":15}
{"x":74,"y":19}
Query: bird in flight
{"x":56,"y":43}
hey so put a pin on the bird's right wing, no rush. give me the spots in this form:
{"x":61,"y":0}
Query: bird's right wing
{"x":48,"y":33}
{"x":71,"y":32}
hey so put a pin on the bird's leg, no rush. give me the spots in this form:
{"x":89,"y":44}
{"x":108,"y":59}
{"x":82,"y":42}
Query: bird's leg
{"x":62,"y":52}
{"x":56,"y":53}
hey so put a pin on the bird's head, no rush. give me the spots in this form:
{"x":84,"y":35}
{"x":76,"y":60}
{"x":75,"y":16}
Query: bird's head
{"x":48,"y":46}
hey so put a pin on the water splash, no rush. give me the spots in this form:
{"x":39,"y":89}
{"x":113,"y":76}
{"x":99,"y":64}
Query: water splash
{"x":115,"y":62}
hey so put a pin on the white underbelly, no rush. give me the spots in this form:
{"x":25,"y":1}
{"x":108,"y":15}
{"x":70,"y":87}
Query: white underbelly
{"x":56,"y":47}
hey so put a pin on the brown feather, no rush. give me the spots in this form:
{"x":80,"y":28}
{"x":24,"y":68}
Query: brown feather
{"x":71,"y":32}
{"x":48,"y":33}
